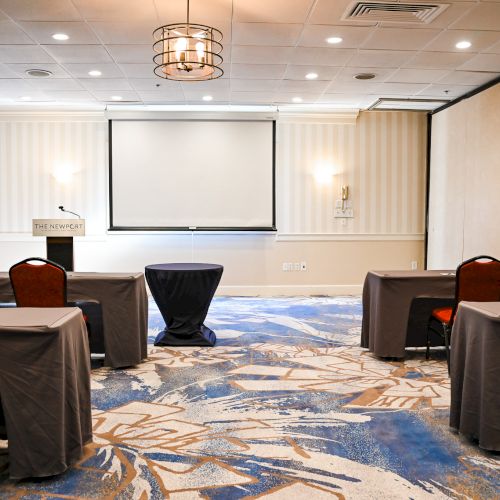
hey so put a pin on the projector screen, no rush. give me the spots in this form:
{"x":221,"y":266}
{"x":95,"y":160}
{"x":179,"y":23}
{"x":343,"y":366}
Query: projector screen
{"x":192,"y":174}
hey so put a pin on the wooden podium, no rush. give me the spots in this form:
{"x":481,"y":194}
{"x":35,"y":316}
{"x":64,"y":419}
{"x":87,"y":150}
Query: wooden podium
{"x":59,"y":234}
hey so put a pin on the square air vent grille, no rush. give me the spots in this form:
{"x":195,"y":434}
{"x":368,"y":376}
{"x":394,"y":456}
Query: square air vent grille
{"x":397,"y":12}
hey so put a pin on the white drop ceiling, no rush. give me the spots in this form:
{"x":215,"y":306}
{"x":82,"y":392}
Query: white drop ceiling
{"x":269,"y":47}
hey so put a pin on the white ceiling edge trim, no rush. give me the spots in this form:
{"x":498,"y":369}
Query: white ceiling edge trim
{"x":52,"y":116}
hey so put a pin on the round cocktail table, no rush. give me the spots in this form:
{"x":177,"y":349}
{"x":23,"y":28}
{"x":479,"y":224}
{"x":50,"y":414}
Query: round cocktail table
{"x":183,"y":293}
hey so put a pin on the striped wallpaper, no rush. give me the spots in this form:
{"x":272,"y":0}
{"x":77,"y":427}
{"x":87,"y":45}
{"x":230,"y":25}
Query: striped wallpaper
{"x":382,"y":159}
{"x":33,"y":149}
{"x":381,"y":156}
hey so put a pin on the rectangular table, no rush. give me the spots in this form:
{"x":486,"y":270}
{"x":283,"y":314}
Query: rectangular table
{"x":475,"y":373}
{"x":124,"y":305}
{"x":44,"y":388}
{"x":387,"y":296}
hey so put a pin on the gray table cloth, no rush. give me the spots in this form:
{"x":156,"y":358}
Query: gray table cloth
{"x":475,"y":373}
{"x":387,"y":296}
{"x":124,"y":305}
{"x":44,"y":388}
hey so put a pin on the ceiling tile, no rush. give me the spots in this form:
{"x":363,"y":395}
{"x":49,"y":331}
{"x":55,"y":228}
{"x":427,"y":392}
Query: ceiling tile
{"x":131,"y":53}
{"x":403,"y":89}
{"x":446,"y":91}
{"x":70,"y":95}
{"x":353,"y":87}
{"x":494,"y":49}
{"x":10,"y":33}
{"x":484,"y":16}
{"x":287,"y":97}
{"x":216,"y":13}
{"x":15,"y":84}
{"x":417,"y":75}
{"x":482,"y":62}
{"x":23,"y":54}
{"x":380,"y":58}
{"x":161,"y":97}
{"x":298,"y":72}
{"x":81,"y":70}
{"x":446,"y":40}
{"x":467,"y":78}
{"x":402,"y":39}
{"x":252,"y":98}
{"x":195,"y":95}
{"x":258,"y":71}
{"x":117,"y":10}
{"x":219,"y":85}
{"x":322,"y":56}
{"x":437,"y":60}
{"x":124,"y":32}
{"x":276,"y":11}
{"x":7,"y":72}
{"x":266,"y":34}
{"x":254,"y":85}
{"x":36,"y":10}
{"x":105,"y":84}
{"x":56,"y":70}
{"x":78,"y":53}
{"x":261,"y":55}
{"x":41,"y":32}
{"x":105,"y":95}
{"x":155,"y":84}
{"x":355,"y":100}
{"x":308,"y":87}
{"x":315,"y":35}
{"x":139,"y":70}
{"x":44,"y":84}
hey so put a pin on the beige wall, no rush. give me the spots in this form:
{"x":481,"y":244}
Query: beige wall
{"x":380,"y":155}
{"x":464,"y":202}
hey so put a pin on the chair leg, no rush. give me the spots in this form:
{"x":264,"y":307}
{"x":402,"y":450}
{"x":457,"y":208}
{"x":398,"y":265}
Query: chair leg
{"x":428,"y":343}
{"x":446,"y":330}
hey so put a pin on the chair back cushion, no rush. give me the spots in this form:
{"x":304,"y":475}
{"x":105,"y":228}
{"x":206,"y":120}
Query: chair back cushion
{"x":479,"y":281}
{"x":42,"y":285}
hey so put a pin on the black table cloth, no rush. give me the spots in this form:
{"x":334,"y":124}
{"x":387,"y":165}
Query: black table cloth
{"x":44,"y":388}
{"x":387,"y":297}
{"x":183,"y":293}
{"x":475,"y":373}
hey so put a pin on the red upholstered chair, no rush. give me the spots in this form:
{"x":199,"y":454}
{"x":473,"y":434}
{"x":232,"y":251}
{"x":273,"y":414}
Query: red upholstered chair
{"x":477,"y":280}
{"x":45,"y":285}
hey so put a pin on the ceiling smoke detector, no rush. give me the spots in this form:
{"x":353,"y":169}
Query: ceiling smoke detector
{"x":364,"y":76}
{"x":39,"y":73}
{"x":400,"y":12}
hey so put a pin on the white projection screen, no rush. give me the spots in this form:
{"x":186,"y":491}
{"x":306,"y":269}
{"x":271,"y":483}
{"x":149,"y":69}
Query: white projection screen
{"x":192,"y":174}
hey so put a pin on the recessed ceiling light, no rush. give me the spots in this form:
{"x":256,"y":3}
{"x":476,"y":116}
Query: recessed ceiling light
{"x":297,"y":99}
{"x":334,"y":39}
{"x":312,"y":76}
{"x":60,"y":36}
{"x":38,"y":73}
{"x":95,"y":72}
{"x":116,"y":97}
{"x":207,"y":97}
{"x":464,"y":44}
{"x":25,"y":98}
{"x":364,"y":76}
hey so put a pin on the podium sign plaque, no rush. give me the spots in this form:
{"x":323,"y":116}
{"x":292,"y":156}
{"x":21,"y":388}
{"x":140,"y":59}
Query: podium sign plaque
{"x":59,"y":233}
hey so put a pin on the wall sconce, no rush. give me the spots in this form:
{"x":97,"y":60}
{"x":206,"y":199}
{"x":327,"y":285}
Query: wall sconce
{"x":323,"y":173}
{"x":344,"y":196}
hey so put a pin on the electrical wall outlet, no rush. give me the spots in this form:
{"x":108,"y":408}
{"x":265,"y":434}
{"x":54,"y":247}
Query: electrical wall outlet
{"x":348,"y":213}
{"x":296,"y":266}
{"x":414,"y":265}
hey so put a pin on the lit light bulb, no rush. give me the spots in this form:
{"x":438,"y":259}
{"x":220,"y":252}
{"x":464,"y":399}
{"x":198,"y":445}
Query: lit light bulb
{"x":200,"y":50}
{"x":180,"y":49}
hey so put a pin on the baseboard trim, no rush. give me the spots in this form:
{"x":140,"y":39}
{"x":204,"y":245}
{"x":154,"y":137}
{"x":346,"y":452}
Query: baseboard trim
{"x":289,"y":290}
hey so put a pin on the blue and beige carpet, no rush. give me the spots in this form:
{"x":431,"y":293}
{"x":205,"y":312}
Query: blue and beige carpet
{"x":286,"y":406}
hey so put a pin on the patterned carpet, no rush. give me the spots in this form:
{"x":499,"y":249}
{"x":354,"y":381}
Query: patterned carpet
{"x":286,"y":406}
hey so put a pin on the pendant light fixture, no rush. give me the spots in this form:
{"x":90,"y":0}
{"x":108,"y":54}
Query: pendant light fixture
{"x":187,"y":51}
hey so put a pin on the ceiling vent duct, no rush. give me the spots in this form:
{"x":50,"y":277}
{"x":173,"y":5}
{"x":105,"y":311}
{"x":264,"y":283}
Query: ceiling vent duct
{"x":394,"y":12}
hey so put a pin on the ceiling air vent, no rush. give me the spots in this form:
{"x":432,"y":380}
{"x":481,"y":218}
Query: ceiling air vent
{"x":396,"y":12}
